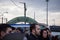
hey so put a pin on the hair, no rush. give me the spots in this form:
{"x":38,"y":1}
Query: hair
{"x":3,"y":27}
{"x":42,"y":32}
{"x":13,"y":28}
{"x":32,"y":26}
{"x":48,"y":29}
{"x":20,"y":29}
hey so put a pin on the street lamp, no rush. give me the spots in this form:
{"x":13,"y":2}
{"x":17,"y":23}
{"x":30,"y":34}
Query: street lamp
{"x":47,"y":11}
{"x":34,"y":15}
{"x":3,"y":15}
{"x":24,"y":10}
{"x":6,"y":20}
{"x":53,"y":21}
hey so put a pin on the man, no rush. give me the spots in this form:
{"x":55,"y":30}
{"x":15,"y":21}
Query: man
{"x":34,"y":32}
{"x":4,"y":30}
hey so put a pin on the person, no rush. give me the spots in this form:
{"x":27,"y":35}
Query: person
{"x":4,"y":30}
{"x":49,"y":34}
{"x":34,"y":32}
{"x":44,"y":35}
{"x":19,"y":30}
{"x":13,"y":29}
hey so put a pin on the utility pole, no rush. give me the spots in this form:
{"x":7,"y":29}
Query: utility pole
{"x":24,"y":8}
{"x":25,"y":13}
{"x":34,"y":15}
{"x":47,"y":12}
{"x":53,"y":21}
{"x":6,"y":20}
{"x":2,"y":18}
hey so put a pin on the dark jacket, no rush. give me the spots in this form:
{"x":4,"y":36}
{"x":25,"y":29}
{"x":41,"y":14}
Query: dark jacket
{"x":14,"y":36}
{"x":32,"y":37}
{"x":27,"y":36}
{"x":0,"y":39}
{"x":44,"y":38}
{"x":51,"y":37}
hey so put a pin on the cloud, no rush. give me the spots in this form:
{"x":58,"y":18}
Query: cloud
{"x":37,"y":6}
{"x":54,"y":5}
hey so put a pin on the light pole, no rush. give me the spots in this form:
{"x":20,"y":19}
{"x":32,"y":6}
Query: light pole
{"x":6,"y":20}
{"x":25,"y":13}
{"x":24,"y":10}
{"x":53,"y":21}
{"x":34,"y":15}
{"x":2,"y":18}
{"x":47,"y":12}
{"x":3,"y":15}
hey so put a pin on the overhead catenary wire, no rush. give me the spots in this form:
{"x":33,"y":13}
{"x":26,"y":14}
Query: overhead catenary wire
{"x":15,"y":4}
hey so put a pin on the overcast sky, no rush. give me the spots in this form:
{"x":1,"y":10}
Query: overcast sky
{"x":37,"y":6}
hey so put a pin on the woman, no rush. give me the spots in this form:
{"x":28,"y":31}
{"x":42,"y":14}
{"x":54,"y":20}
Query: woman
{"x":44,"y":35}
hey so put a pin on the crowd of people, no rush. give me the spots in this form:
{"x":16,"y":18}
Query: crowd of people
{"x":11,"y":33}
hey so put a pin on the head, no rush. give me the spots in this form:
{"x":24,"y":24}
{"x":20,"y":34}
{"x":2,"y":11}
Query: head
{"x":44,"y":33}
{"x":13,"y":29}
{"x":19,"y":30}
{"x":5,"y":29}
{"x":49,"y":32}
{"x":35,"y":29}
